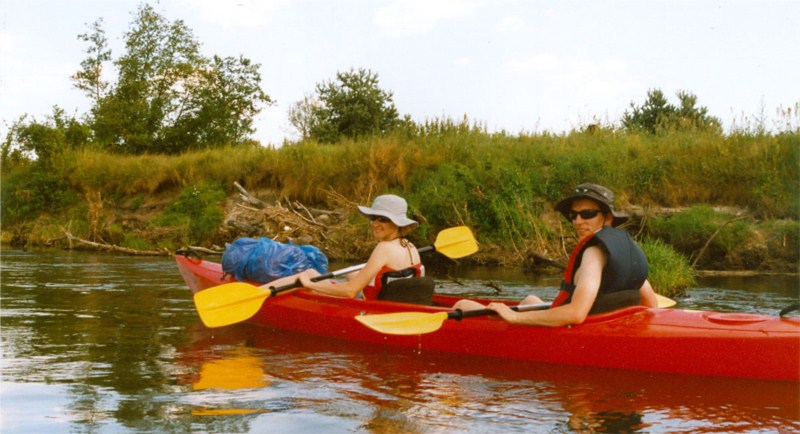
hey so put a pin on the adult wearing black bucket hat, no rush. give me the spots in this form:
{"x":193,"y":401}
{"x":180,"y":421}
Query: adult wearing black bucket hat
{"x":607,"y":270}
{"x":603,"y":196}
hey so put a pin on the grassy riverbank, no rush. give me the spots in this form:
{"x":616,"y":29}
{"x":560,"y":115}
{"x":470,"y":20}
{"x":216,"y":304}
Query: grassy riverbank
{"x":720,"y":201}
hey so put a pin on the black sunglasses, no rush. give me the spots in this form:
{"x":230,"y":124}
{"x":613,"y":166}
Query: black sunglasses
{"x":585,"y":214}
{"x":379,"y":218}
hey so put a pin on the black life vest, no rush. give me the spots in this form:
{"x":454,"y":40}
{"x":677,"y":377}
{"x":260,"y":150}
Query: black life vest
{"x":625,"y":271}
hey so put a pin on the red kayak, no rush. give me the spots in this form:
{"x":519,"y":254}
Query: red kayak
{"x":637,"y":338}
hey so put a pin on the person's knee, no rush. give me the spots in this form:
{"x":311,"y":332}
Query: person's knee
{"x":531,"y":299}
{"x":467,"y":305}
{"x":311,"y":273}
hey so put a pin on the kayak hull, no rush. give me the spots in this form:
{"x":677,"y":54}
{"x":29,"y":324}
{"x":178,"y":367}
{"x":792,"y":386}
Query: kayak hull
{"x":635,"y":338}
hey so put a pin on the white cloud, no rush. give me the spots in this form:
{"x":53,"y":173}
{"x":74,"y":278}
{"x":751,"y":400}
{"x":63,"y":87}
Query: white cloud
{"x":538,"y":64}
{"x":608,"y":78}
{"x":404,"y":17}
{"x":583,"y":70}
{"x":511,"y":24}
{"x":235,"y":13}
{"x":6,"y":42}
{"x":587,"y":80}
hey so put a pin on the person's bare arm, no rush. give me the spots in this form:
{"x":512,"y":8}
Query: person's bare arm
{"x":587,"y":284}
{"x":648,"y":295}
{"x":350,"y":288}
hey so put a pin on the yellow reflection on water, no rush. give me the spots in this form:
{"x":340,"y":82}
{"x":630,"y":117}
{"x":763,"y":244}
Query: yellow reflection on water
{"x":233,"y":372}
{"x":224,"y":411}
{"x":238,"y":370}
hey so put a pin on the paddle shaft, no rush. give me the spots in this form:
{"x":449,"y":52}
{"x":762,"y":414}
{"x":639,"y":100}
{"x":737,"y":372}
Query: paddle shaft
{"x":459,"y":314}
{"x":273,"y":291}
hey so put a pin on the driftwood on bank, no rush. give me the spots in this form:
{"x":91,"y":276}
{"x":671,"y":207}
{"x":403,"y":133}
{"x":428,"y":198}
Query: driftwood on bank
{"x":539,"y":259}
{"x":136,"y":252}
{"x":249,"y":198}
{"x":112,"y":248}
{"x":286,"y":221}
{"x":195,"y":249}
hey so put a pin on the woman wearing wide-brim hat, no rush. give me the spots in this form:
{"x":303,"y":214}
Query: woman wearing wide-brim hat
{"x":393,"y":255}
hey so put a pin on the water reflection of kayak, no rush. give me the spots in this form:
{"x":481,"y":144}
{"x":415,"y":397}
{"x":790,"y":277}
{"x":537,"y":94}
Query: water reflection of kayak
{"x":445,"y":381}
{"x":634,"y":338}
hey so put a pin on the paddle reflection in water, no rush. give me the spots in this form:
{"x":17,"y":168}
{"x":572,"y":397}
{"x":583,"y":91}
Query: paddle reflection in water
{"x":236,"y":369}
{"x":362,"y":387}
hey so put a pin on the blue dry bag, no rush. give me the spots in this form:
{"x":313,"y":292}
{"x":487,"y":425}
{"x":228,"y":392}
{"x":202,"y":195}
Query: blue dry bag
{"x":264,"y":260}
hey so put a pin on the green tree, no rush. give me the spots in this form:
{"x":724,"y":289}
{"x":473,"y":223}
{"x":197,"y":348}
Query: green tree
{"x":32,"y":182}
{"x":90,"y":78}
{"x":168,"y":97}
{"x":658,"y":115}
{"x":301,"y":115}
{"x":353,"y":106}
{"x":32,"y":140}
{"x":690,"y":116}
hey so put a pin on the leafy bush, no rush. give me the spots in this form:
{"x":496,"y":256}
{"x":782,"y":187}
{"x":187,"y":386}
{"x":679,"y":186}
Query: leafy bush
{"x":454,"y":186}
{"x":114,"y":233}
{"x":771,"y":188}
{"x":134,"y":242}
{"x":29,"y":192}
{"x":198,"y":209}
{"x":657,"y":115}
{"x":782,"y":239}
{"x":670,"y":272}
{"x":689,"y":231}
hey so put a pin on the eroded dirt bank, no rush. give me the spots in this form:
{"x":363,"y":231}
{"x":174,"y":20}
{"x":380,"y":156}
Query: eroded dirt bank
{"x":342,"y":234}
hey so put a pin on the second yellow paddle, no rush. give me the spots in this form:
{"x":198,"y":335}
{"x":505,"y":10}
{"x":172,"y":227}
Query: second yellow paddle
{"x":420,"y":323}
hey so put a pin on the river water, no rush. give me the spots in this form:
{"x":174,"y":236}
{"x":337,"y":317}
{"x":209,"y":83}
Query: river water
{"x":103,"y":343}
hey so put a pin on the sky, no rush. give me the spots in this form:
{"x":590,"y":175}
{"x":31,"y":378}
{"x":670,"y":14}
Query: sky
{"x":519,"y":66}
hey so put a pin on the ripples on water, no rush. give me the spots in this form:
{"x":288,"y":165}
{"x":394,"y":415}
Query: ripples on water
{"x":105,"y":343}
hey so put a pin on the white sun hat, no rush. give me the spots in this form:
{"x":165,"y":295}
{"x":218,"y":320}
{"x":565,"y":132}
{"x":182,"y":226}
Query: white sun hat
{"x":390,"y":206}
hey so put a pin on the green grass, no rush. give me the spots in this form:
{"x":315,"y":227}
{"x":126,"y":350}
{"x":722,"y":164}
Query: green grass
{"x":452,"y":173}
{"x":197,"y":212}
{"x":670,"y":272}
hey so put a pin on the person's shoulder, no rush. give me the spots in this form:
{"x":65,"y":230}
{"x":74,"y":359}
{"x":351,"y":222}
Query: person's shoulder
{"x":610,"y":234}
{"x":382,"y":245}
{"x":385,"y":247}
{"x":595,"y":251}
{"x":606,"y":230}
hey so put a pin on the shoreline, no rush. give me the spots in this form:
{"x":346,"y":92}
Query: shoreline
{"x":216,"y":256}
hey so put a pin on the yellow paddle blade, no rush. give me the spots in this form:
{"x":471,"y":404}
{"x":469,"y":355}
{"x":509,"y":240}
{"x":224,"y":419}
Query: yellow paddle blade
{"x":456,"y":242}
{"x":404,"y":323}
{"x":665,"y":302}
{"x":229,"y":303}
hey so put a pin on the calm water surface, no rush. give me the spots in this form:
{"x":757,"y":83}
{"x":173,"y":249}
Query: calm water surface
{"x":108,"y":344}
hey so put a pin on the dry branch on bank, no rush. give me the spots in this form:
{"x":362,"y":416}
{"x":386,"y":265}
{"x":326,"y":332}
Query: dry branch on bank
{"x":112,"y":248}
{"x":249,"y":198}
{"x":289,"y":221}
